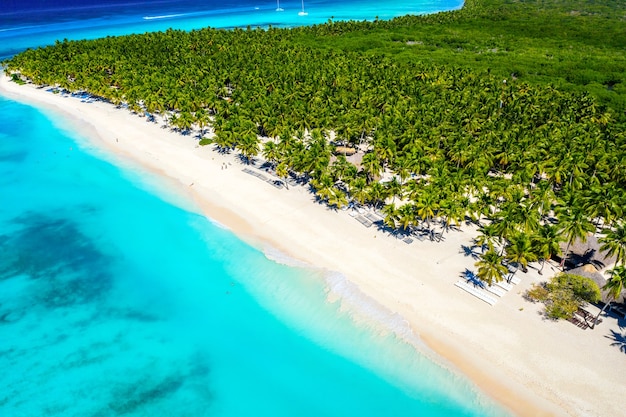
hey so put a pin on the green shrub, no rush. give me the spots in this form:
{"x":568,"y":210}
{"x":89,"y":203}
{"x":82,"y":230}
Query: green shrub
{"x":538,"y":292}
{"x":582,"y":288}
{"x":17,"y":78}
{"x":563,"y":304}
{"x":564,"y":294}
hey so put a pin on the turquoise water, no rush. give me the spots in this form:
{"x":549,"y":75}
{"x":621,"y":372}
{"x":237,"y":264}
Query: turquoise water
{"x":117,"y":298}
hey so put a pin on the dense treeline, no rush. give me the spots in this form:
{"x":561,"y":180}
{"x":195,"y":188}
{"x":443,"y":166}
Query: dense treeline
{"x":454,"y":142}
{"x":577,"y":45}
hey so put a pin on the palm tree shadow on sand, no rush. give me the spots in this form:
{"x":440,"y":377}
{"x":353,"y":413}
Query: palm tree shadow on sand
{"x":471,"y":278}
{"x":470,"y":251}
{"x":589,"y":257}
{"x":619,"y":339}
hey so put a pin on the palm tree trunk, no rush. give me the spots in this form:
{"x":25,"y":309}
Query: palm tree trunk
{"x":596,"y":224}
{"x":508,"y":280}
{"x":565,"y":255}
{"x":595,"y":320}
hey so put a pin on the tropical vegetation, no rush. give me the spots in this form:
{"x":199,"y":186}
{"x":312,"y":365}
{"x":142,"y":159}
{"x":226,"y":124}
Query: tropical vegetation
{"x":509,"y":114}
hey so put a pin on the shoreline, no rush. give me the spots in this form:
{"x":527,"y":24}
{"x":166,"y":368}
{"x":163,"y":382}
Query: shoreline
{"x":530,"y":366}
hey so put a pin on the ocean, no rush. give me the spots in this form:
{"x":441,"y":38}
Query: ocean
{"x":118,"y":298}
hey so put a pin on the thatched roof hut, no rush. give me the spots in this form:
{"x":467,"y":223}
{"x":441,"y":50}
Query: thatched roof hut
{"x":356,"y":158}
{"x":588,"y":252}
{"x":345,"y":150}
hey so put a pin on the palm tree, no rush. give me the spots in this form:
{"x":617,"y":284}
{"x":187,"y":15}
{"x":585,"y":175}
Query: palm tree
{"x":202,"y":120}
{"x":617,"y":282}
{"x":504,"y":226}
{"x":323,"y":187}
{"x":547,"y":244}
{"x":542,"y":197}
{"x":391,"y":216}
{"x":527,"y":218}
{"x":451,"y":211}
{"x":249,"y":146}
{"x":371,"y":165}
{"x":573,"y":225}
{"x":283,"y":172}
{"x":427,"y":206}
{"x":337,"y":198}
{"x":604,"y":203}
{"x":376,"y":194}
{"x":394,"y":188}
{"x":402,"y":168}
{"x":520,"y":251}
{"x":385,"y":149}
{"x":224,"y":140}
{"x":271,"y":152}
{"x":614,"y":285}
{"x":614,"y":242}
{"x":490,"y":268}
{"x":487,"y":237}
{"x":358,"y":189}
{"x":406,"y":216}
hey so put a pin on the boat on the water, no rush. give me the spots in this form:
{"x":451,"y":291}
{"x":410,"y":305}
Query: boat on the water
{"x":302,"y":12}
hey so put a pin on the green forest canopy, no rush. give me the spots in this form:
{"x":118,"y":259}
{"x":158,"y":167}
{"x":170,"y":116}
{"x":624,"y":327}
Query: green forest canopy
{"x":506,"y":110}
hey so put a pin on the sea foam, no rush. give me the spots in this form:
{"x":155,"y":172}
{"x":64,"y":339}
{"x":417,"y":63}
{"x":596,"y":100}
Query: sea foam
{"x":363,"y":309}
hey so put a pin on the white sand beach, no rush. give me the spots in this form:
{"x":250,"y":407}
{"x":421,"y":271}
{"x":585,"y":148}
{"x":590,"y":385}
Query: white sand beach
{"x":532,"y":366}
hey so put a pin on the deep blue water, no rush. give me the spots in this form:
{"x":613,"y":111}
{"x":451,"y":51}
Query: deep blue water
{"x":118,"y":298}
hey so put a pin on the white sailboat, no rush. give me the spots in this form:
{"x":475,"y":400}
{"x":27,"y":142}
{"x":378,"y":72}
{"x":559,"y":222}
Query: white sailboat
{"x":278,"y":8}
{"x":302,"y":13}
